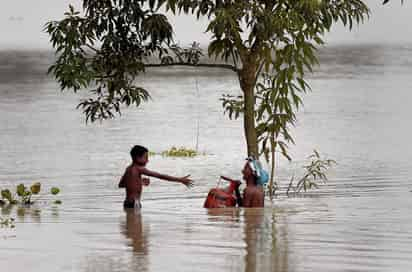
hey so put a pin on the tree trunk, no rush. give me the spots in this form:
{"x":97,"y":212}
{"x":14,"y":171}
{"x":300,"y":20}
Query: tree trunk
{"x":272,"y":172}
{"x":247,"y":84}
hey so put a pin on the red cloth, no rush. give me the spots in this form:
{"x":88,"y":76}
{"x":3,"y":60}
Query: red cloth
{"x":218,"y":198}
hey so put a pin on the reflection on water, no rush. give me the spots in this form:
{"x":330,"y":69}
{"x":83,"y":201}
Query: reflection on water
{"x":137,"y":234}
{"x":6,"y":209}
{"x":260,"y":240}
{"x":359,"y":221}
{"x":265,"y":243}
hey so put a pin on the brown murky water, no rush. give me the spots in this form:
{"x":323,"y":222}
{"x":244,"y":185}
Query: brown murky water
{"x":358,"y":114}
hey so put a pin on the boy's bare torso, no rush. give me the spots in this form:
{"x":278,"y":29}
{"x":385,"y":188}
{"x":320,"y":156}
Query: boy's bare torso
{"x":132,"y":180}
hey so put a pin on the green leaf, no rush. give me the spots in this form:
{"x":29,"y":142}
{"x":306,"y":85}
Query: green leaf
{"x":21,"y":190}
{"x":35,"y":188}
{"x":6,"y":194}
{"x":54,"y":190}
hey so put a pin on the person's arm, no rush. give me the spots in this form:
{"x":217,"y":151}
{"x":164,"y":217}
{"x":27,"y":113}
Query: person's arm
{"x":184,"y":180}
{"x":239,"y":200}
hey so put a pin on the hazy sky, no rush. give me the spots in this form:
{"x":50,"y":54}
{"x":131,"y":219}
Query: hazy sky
{"x":21,"y":23}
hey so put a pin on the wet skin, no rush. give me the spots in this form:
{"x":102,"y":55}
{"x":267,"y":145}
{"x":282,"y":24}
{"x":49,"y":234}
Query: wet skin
{"x":253,"y":195}
{"x":133,"y":179}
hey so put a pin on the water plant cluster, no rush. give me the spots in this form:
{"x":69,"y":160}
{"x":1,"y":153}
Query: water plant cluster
{"x":314,"y":174}
{"x":178,"y":152}
{"x":24,"y":194}
{"x":7,"y":222}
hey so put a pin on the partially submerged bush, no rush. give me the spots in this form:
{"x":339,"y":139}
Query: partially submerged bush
{"x":55,"y":191}
{"x":315,"y":173}
{"x":23,"y":194}
{"x":177,"y":152}
{"x":180,"y":152}
{"x":7,"y":222}
{"x":8,"y":196}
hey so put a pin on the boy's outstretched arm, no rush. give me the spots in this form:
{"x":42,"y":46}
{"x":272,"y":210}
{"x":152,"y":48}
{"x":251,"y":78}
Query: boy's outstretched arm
{"x":239,"y":200}
{"x":229,"y":179}
{"x":184,"y":180}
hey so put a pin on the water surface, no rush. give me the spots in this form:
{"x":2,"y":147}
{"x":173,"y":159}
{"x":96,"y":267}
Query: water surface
{"x":357,"y":114}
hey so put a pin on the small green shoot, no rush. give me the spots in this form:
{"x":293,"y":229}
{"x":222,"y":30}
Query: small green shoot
{"x":315,"y":172}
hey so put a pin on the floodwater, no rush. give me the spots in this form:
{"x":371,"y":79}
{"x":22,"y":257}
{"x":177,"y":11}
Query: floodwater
{"x":358,"y":114}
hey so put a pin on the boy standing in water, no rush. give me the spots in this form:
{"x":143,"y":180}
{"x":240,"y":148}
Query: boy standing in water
{"x":132,"y":179}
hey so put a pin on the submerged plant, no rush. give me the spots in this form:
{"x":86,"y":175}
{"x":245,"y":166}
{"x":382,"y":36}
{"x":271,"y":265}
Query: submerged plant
{"x":180,"y":152}
{"x":55,"y":191}
{"x":315,"y":173}
{"x":6,"y":195}
{"x":23,"y":194}
{"x":7,"y":222}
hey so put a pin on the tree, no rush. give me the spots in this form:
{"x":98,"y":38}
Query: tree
{"x":269,"y":45}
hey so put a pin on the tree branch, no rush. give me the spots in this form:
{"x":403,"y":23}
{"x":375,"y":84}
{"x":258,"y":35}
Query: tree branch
{"x":91,"y":48}
{"x":207,"y":65}
{"x":258,"y":72}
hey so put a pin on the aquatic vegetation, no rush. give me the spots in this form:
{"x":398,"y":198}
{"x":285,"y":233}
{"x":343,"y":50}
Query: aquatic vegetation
{"x":8,"y":196}
{"x":315,"y":173}
{"x":55,"y":191}
{"x":24,"y":194}
{"x":178,"y":152}
{"x":7,"y":222}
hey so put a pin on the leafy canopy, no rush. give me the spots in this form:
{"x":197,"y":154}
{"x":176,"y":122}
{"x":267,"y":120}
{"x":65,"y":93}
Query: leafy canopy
{"x":107,"y":46}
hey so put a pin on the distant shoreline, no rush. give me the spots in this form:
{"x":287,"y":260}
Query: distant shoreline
{"x":204,"y":48}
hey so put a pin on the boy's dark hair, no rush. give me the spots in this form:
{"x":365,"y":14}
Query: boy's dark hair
{"x":138,"y":151}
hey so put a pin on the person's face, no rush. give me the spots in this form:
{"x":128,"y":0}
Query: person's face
{"x":247,"y":171}
{"x":143,"y":160}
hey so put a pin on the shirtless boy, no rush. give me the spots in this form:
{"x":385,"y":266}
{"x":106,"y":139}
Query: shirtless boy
{"x":133,"y":178}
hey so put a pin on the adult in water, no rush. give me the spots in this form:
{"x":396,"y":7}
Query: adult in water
{"x":256,"y":178}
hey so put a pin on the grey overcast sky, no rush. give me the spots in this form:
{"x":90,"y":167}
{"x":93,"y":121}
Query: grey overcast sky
{"x":21,"y":23}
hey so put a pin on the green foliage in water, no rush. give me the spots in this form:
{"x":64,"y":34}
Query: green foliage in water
{"x":54,"y":190}
{"x":315,"y":173}
{"x":180,"y":152}
{"x":177,"y":152}
{"x":23,"y":194}
{"x":6,"y":195}
{"x":7,"y":222}
{"x":35,"y":188}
